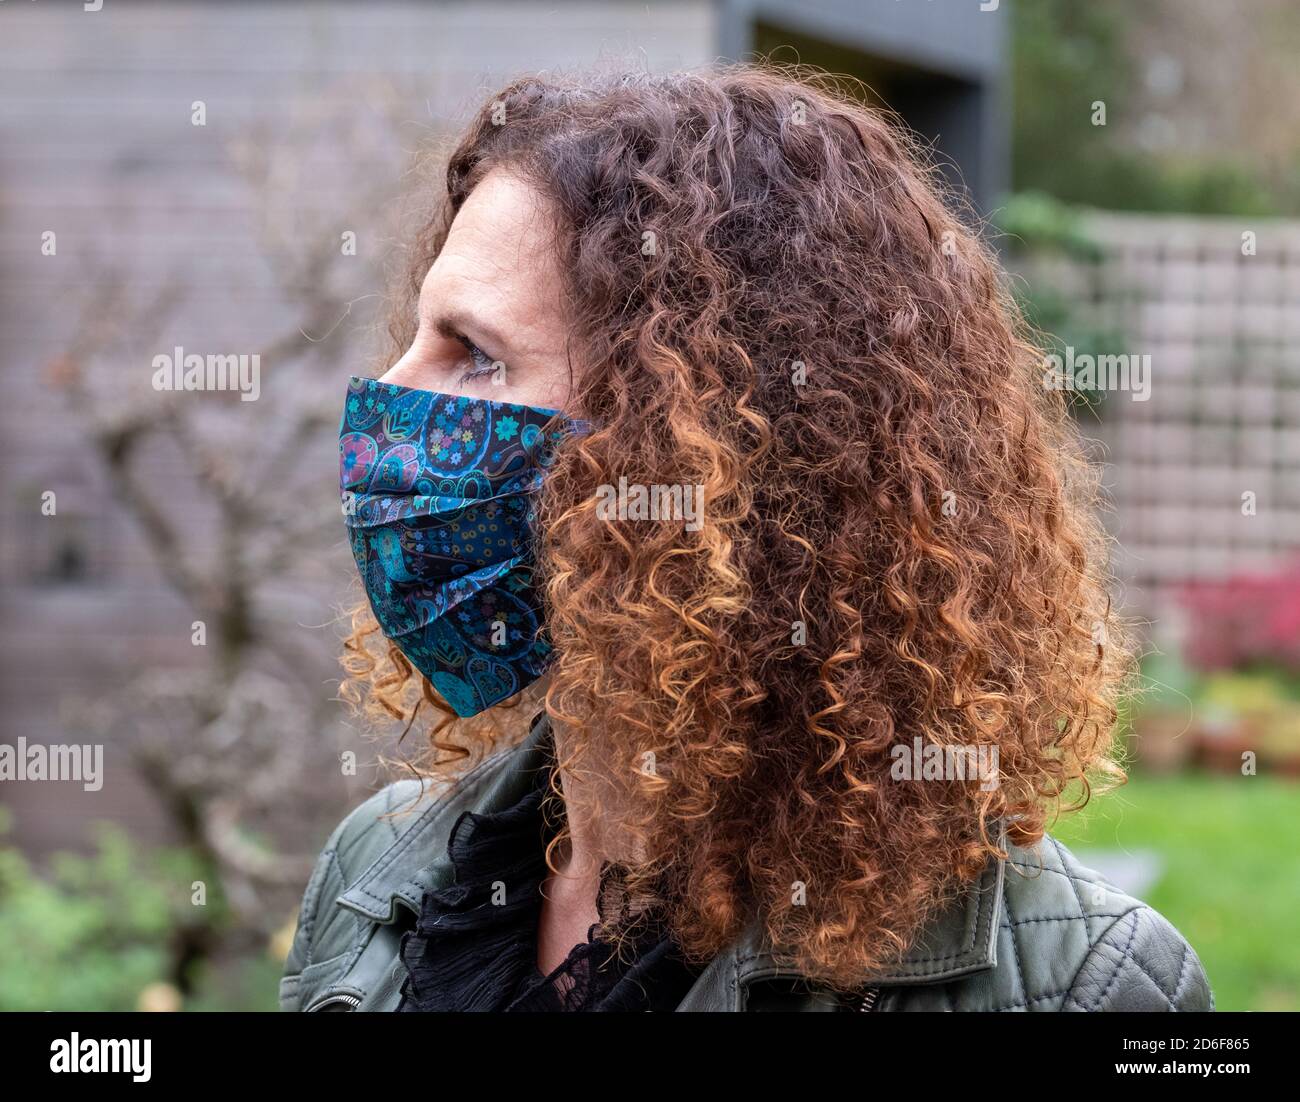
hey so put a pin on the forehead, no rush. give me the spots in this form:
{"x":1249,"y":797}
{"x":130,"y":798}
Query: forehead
{"x":499,"y":247}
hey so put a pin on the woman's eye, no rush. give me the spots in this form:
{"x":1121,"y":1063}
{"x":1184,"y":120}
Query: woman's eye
{"x":483,"y":363}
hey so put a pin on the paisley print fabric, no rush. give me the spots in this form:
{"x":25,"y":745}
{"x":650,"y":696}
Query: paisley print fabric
{"x":437,"y":498}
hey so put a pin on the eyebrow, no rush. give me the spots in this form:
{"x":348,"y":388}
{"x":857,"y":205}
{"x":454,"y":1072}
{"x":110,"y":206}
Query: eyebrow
{"x":454,"y":322}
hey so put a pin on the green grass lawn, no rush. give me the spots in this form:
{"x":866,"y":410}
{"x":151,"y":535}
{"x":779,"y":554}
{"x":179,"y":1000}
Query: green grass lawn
{"x":1231,"y":876}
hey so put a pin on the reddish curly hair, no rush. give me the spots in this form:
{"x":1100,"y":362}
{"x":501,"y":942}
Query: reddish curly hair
{"x":900,"y":535}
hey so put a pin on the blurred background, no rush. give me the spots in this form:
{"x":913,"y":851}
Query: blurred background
{"x":228,"y":178}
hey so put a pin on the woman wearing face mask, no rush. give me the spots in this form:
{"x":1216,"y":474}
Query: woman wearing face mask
{"x":720,"y":535}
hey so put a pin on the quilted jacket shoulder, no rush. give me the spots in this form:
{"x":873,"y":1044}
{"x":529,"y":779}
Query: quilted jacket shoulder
{"x":1069,"y":940}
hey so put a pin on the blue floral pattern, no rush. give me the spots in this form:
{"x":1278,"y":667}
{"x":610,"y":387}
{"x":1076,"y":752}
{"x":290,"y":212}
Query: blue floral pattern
{"x":437,"y":495}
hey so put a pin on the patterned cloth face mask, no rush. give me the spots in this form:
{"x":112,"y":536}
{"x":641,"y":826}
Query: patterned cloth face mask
{"x":438,"y":499}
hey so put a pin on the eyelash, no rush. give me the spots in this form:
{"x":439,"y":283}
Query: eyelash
{"x":479,"y":358}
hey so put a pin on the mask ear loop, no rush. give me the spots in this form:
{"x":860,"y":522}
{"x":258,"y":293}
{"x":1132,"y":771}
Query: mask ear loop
{"x":571,"y":426}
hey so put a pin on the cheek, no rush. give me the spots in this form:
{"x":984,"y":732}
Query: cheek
{"x":547,"y":390}
{"x":544,"y":378}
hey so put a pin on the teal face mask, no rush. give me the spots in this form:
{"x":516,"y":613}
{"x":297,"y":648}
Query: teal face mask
{"x":438,"y":499}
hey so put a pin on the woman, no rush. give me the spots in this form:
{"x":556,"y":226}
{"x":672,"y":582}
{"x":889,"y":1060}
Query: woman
{"x":714,"y":447}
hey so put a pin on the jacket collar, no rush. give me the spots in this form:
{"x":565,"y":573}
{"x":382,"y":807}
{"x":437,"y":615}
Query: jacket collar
{"x":397,"y":877}
{"x":961,"y":940}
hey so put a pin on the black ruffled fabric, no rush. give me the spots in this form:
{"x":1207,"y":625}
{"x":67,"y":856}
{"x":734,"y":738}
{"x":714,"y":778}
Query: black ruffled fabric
{"x":474,"y":946}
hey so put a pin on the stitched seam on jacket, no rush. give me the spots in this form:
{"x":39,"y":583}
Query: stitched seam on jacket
{"x":1055,"y":872}
{"x":1060,"y":856}
{"x":1125,"y":956}
{"x":287,"y":992}
{"x":1089,"y":955}
{"x":1183,"y":973}
{"x":1138,"y":905}
{"x":1026,"y":1002}
{"x":1149,"y":974}
{"x":314,"y":918}
{"x":385,"y":817}
{"x":1064,"y":918}
{"x":352,"y":953}
{"x":1146,"y":972}
{"x":1015,"y":949}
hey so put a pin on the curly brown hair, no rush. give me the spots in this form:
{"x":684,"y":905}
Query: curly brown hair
{"x":900,"y":536}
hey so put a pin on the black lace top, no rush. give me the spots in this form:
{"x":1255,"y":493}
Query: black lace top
{"x":474,"y":946}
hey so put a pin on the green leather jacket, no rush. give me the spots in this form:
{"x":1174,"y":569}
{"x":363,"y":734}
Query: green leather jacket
{"x":1039,"y":932}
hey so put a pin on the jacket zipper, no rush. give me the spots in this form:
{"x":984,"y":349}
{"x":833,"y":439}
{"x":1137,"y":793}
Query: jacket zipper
{"x":350,"y":1001}
{"x":866,"y":1001}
